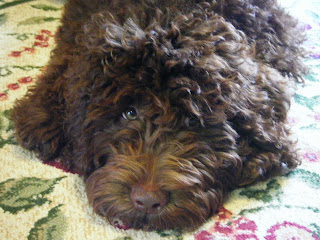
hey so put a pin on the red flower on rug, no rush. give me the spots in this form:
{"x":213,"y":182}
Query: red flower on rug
{"x":238,"y":228}
{"x":47,"y":32}
{"x":41,"y":44}
{"x":25,"y":80}
{"x":3,"y":96}
{"x":15,"y":54}
{"x":13,"y":86}
{"x":41,"y":40}
{"x":290,"y":231}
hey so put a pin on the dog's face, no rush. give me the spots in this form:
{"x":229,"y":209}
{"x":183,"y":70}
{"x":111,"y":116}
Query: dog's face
{"x":158,"y":171}
{"x":159,"y":150}
{"x":159,"y":165}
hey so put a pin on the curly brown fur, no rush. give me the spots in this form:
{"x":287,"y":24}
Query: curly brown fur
{"x":211,"y":83}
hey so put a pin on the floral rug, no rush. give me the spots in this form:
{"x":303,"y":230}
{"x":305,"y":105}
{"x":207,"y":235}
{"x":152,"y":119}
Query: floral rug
{"x":38,"y":201}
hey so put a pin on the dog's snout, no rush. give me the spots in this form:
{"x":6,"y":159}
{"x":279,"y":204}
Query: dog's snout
{"x":151,"y":202}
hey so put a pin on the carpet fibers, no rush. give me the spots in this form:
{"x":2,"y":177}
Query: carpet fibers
{"x":39,"y":201}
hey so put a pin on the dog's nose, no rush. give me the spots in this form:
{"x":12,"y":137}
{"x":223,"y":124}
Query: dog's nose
{"x":151,"y":202}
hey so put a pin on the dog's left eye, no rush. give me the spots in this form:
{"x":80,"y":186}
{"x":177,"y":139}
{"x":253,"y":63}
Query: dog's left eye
{"x":130,"y":114}
{"x":192,"y":121}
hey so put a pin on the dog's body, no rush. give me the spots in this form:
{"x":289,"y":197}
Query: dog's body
{"x":164,"y":106}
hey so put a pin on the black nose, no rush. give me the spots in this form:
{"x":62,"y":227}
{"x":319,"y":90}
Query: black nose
{"x":151,"y":202}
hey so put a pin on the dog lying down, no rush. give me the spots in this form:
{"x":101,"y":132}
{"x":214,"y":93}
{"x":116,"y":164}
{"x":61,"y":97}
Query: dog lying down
{"x":165,"y":105}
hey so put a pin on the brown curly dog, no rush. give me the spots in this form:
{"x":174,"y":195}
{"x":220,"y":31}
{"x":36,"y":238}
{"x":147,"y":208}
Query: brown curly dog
{"x":166,"y":105}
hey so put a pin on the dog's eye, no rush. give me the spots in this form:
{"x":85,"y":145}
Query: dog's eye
{"x":192,"y":121}
{"x":130,"y":114}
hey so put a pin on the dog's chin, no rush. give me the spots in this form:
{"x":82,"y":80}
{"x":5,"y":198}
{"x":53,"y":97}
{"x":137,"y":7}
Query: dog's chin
{"x":170,"y":218}
{"x":125,"y":216}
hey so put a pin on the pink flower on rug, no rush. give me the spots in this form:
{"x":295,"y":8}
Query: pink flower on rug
{"x":238,"y":228}
{"x":311,"y":156}
{"x":242,"y":228}
{"x":204,"y":235}
{"x":290,"y":231}
{"x":292,"y":121}
{"x":317,"y":117}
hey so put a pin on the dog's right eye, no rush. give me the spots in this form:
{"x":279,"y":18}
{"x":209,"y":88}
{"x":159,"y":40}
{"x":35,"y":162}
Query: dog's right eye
{"x":130,"y":114}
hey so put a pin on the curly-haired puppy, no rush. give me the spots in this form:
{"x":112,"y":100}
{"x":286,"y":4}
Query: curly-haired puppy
{"x":165,"y":105}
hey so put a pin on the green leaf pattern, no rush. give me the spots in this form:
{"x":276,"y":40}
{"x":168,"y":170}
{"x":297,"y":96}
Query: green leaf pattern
{"x":309,"y":102}
{"x":22,"y":194}
{"x":13,"y":3}
{"x":3,"y":18}
{"x":9,"y":70}
{"x":6,"y":129}
{"x":51,"y":227}
{"x":37,"y":20}
{"x":266,"y":195}
{"x":45,"y":7}
{"x":312,"y":178}
{"x":26,"y":193}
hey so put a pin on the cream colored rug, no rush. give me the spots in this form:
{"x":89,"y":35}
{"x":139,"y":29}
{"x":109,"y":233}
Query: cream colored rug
{"x":38,"y":201}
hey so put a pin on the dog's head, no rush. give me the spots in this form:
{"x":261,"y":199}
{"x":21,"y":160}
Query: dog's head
{"x":158,"y":142}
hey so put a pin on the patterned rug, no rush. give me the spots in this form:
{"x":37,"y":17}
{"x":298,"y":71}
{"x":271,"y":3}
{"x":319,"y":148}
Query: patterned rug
{"x":38,"y":201}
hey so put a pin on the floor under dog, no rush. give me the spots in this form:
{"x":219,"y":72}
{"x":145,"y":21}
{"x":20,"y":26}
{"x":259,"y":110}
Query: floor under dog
{"x":39,"y":201}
